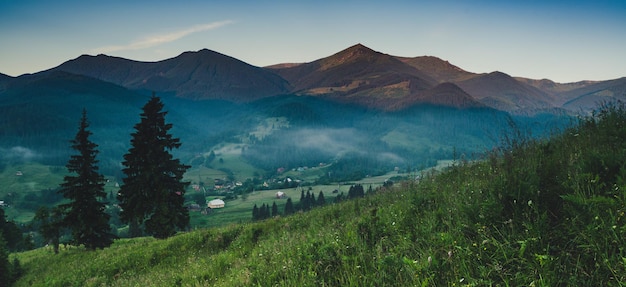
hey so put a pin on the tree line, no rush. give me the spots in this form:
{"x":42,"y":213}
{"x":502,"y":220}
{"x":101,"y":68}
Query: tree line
{"x":308,"y":201}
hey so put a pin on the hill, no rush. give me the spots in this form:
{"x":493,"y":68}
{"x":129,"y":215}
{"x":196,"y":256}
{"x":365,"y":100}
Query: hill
{"x":523,"y":216}
{"x":197,"y":75}
{"x":40,"y":111}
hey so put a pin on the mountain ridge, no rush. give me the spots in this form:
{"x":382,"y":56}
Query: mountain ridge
{"x":197,"y":75}
{"x":357,"y":74}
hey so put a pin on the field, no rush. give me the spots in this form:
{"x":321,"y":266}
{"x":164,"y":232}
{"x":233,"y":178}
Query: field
{"x":240,"y":210}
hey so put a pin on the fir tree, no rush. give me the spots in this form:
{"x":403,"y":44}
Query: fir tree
{"x":320,"y":199}
{"x":266,"y":211}
{"x":289,"y":209}
{"x":50,"y":225}
{"x":153,"y":191}
{"x":85,"y":214}
{"x":255,"y":212}
{"x":312,"y":200}
{"x":12,"y":233}
{"x":356,"y":191}
{"x":274,"y":209}
{"x":6,"y":274}
{"x":302,"y":200}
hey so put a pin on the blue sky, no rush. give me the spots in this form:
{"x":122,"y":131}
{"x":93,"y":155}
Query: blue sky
{"x":561,"y":40}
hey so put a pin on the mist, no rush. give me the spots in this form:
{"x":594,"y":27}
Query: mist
{"x":19,"y":154}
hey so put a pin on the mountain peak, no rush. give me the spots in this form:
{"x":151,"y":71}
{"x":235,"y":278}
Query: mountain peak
{"x":354,"y":54}
{"x":356,"y":51}
{"x":359,"y":47}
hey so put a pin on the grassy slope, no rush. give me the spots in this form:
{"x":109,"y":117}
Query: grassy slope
{"x":541,"y":213}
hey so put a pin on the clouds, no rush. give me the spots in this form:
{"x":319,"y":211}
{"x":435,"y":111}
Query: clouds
{"x":159,"y":39}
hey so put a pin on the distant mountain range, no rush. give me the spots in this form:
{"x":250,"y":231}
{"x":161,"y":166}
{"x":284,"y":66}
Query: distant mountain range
{"x":356,"y":105}
{"x":357,"y":75}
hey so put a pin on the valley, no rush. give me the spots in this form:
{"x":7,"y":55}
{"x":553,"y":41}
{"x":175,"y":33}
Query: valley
{"x":352,"y":116}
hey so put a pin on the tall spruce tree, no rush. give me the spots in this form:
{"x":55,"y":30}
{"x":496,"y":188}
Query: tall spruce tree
{"x":85,"y":214}
{"x":153,"y":190}
{"x":255,"y":212}
{"x":320,"y":199}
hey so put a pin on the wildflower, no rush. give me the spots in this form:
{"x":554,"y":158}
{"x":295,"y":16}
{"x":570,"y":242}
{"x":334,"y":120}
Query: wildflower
{"x":449,"y":253}
{"x":430,"y":260}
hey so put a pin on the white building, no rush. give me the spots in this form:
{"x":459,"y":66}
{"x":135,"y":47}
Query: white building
{"x":216,"y":203}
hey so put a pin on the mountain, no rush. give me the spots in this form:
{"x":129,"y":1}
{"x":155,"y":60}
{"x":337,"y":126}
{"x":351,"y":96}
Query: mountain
{"x":363,"y":76}
{"x":4,"y":79}
{"x":591,"y":95}
{"x":197,"y":75}
{"x":438,"y":69}
{"x":503,"y":92}
{"x":552,"y":87}
{"x":349,"y":70}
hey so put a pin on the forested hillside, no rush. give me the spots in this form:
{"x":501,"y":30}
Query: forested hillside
{"x":531,"y":213}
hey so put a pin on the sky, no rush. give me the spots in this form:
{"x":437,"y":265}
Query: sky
{"x":565,"y":41}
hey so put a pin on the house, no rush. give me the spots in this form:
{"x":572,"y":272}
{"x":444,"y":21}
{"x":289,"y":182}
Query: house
{"x":2,"y":204}
{"x":216,"y":203}
{"x":280,"y":195}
